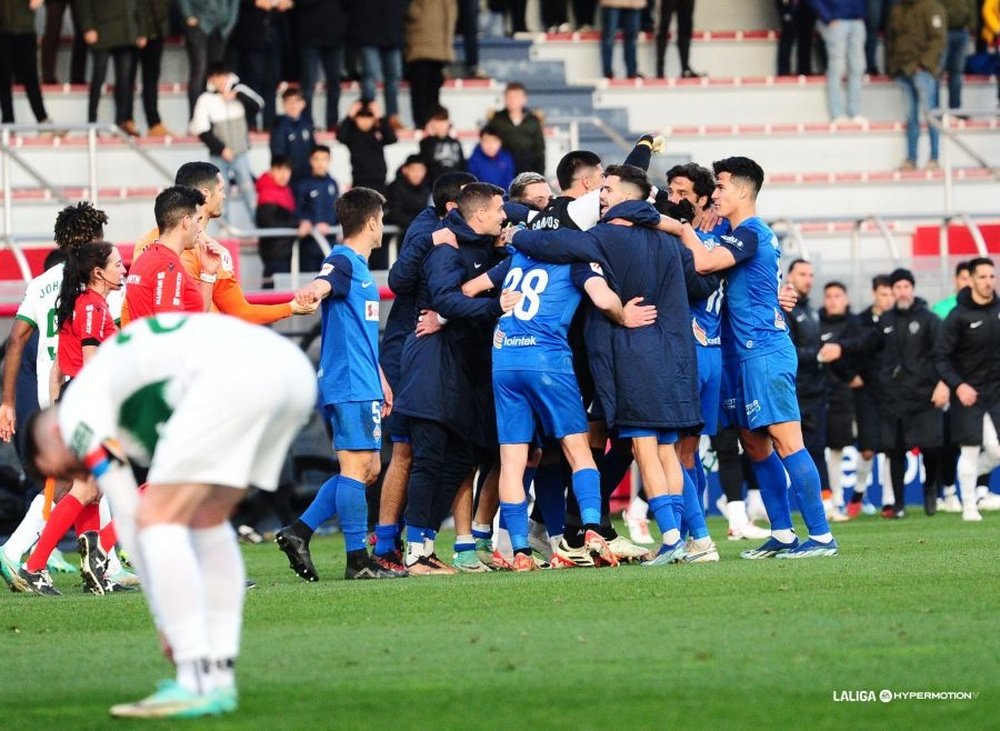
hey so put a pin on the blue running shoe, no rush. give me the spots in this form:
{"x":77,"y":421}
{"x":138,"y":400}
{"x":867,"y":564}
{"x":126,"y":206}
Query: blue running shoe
{"x":812,"y":549}
{"x":772,"y":548}
{"x":668,"y":555}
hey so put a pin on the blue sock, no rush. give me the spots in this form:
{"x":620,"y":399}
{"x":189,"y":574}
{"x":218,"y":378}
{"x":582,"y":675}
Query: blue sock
{"x":352,"y":506}
{"x":385,"y":538}
{"x":516,"y":517}
{"x":482,"y":534}
{"x":694,"y":513}
{"x":324,"y":505}
{"x":677,"y":503}
{"x":806,"y":483}
{"x":414,"y":534}
{"x":467,"y":546}
{"x":587,"y":488}
{"x":770,"y":474}
{"x":663,"y":511}
{"x":550,"y":495}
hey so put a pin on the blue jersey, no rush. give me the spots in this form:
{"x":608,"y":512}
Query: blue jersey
{"x":706,"y":314}
{"x":533,"y":336}
{"x":348,"y":365}
{"x":752,"y":323}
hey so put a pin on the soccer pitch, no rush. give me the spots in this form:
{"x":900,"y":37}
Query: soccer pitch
{"x":910,"y":606}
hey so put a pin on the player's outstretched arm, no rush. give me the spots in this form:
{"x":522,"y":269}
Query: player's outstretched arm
{"x":558,"y":247}
{"x":706,"y":261}
{"x":312,"y":293}
{"x":20,"y":333}
{"x":229,"y":298}
{"x":604,"y":298}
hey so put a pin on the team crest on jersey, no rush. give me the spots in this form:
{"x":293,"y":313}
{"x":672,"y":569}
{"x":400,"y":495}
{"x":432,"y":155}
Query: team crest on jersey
{"x":700,"y":336}
{"x":80,"y":441}
{"x":498,"y":338}
{"x":779,"y":320}
{"x":914,"y":327}
{"x":371,"y":310}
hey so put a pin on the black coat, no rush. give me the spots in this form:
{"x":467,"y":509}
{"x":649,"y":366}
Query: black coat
{"x":648,"y":376}
{"x":368,"y":168}
{"x":968,"y":347}
{"x":321,"y":23}
{"x":803,"y":328}
{"x":405,"y":202}
{"x":377,"y":22}
{"x":840,"y":329}
{"x":907,"y":374}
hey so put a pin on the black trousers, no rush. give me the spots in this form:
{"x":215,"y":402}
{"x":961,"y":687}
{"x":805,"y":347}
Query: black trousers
{"x":426,"y":78}
{"x":203,"y":49}
{"x":734,"y":468}
{"x":123,"y":59}
{"x":54,"y":12}
{"x":18,"y":62}
{"x":441,"y":461}
{"x":797,"y":27}
{"x":685,"y":29}
{"x":150,"y":59}
{"x":813,"y":410}
{"x":554,"y":13}
{"x":584,"y":11}
{"x":468,"y":24}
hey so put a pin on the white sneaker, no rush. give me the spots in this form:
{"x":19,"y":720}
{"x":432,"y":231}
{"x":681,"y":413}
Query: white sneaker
{"x":989,"y":501}
{"x":836,"y":516}
{"x":950,"y":504}
{"x":842,"y":119}
{"x":755,"y":507}
{"x":702,"y":550}
{"x":638,"y":528}
{"x":748,"y":532}
{"x":971,"y":515}
{"x":627,"y":551}
{"x":859,"y":119}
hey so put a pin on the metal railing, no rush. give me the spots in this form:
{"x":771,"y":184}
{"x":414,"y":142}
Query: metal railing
{"x":572,"y":125}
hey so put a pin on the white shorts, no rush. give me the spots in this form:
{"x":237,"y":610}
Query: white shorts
{"x":234,"y":429}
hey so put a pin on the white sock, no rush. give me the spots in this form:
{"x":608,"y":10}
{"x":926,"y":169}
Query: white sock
{"x":114,"y":564}
{"x":836,"y":473}
{"x":224,"y":578}
{"x":175,"y":590}
{"x":502,"y":542}
{"x":27,"y":532}
{"x":736,"y":511}
{"x":554,"y":540}
{"x":755,"y":504}
{"x":967,"y":474}
{"x":949,"y":490}
{"x":785,"y":535}
{"x":822,"y":537}
{"x":888,"y":496}
{"x":482,"y":527}
{"x":638,"y":509}
{"x":428,"y":546}
{"x":671,"y":537}
{"x":414,"y":551}
{"x":862,"y":474}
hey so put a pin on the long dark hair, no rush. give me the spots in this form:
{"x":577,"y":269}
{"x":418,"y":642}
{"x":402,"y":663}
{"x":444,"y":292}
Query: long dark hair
{"x":80,"y":262}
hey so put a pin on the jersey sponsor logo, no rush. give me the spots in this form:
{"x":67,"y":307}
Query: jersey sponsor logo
{"x":133,"y":279}
{"x":519,"y":341}
{"x":974,"y":325}
{"x":80,"y":441}
{"x":371,"y":311}
{"x":158,"y":294}
{"x":914,"y":327}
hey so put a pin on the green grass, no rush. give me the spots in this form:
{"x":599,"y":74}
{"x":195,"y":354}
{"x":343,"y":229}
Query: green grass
{"x":909,"y":606}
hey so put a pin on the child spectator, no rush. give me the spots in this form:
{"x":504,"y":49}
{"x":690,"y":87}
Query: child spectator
{"x":489,"y":162}
{"x":293,"y":133}
{"x":276,"y":209}
{"x":220,"y":121}
{"x":316,"y":196}
{"x":365,"y":136}
{"x":408,"y":194}
{"x":441,"y":152}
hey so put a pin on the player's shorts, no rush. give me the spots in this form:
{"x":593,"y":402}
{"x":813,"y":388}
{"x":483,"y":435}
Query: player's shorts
{"x":867,"y":419}
{"x":761,"y":390}
{"x":924,"y":429}
{"x":839,"y":429}
{"x":537,"y":401}
{"x":356,"y":425}
{"x":709,"y":387}
{"x":967,"y":422}
{"x":227,"y":430}
{"x":663,"y":436}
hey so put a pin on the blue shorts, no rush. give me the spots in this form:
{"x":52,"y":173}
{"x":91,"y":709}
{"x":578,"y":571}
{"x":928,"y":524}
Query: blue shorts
{"x":709,"y":386}
{"x":530,"y":402}
{"x":356,"y":425}
{"x":760,"y":391}
{"x":663,"y":436}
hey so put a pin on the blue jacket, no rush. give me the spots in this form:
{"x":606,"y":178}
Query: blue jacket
{"x":404,"y":276}
{"x":499,"y":170}
{"x":827,"y":10}
{"x":648,"y":376}
{"x":316,"y":198}
{"x":293,"y":138}
{"x":445,"y":377}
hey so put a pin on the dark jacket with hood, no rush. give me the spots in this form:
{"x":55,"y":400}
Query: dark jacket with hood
{"x":842,"y":330}
{"x":907,"y":376}
{"x":968,"y":347}
{"x":803,"y":329}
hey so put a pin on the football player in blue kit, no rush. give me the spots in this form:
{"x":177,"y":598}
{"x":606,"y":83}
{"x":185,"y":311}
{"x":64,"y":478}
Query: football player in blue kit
{"x":761,"y":362}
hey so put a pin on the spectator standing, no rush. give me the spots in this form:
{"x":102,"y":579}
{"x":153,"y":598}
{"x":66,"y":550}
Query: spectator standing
{"x":624,"y":14}
{"x":18,"y":54}
{"x":150,"y":58}
{"x":316,"y":197}
{"x":489,"y":162}
{"x":220,"y":121}
{"x":322,"y":29}
{"x":441,"y":152}
{"x":114,"y":31}
{"x":292,"y":135}
{"x":685,"y":29}
{"x":555,"y":16}
{"x":430,"y":36}
{"x":408,"y":194}
{"x":468,"y":21}
{"x":874,"y":25}
{"x":797,"y":21}
{"x":841,"y":24}
{"x":522,"y":130}
{"x":377,"y":29}
{"x":261,"y":31}
{"x":207,"y":27}
{"x":962,"y":16}
{"x":276,"y":209}
{"x":365,"y":136}
{"x":916,"y":36}
{"x":54,"y":12}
